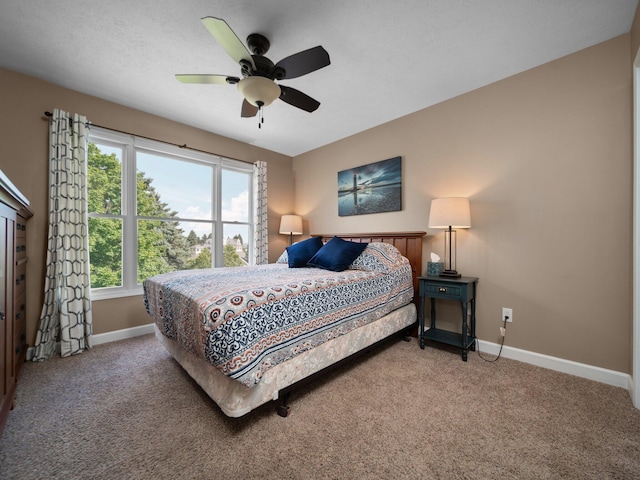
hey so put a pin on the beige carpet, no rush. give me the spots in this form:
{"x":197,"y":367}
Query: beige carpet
{"x":126,"y":410}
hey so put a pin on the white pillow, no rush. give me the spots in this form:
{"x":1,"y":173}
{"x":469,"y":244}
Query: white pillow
{"x":284,"y":258}
{"x":379,"y":257}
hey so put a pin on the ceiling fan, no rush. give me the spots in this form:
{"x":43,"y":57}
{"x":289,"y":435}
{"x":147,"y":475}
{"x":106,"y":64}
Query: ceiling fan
{"x":259,"y":74}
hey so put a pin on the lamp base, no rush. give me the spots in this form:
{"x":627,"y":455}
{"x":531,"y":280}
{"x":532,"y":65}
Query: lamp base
{"x":450,"y":273}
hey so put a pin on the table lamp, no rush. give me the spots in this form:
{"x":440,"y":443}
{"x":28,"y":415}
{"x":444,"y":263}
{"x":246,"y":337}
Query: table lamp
{"x":450,"y":213}
{"x":291,"y":225}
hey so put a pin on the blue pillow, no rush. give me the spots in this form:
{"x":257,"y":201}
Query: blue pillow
{"x":300,"y":253}
{"x":337,"y":254}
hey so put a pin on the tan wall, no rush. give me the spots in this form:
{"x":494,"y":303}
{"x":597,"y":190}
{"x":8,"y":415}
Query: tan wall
{"x":545,"y":158}
{"x":24,"y":139}
{"x":635,"y":35}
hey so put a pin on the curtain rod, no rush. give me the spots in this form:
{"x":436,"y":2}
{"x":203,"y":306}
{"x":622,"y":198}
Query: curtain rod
{"x":89,"y":124}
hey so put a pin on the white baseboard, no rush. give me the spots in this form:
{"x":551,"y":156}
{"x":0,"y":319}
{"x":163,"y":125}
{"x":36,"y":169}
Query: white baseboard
{"x":121,"y":334}
{"x":630,"y":387}
{"x":105,"y":337}
{"x":610,"y":377}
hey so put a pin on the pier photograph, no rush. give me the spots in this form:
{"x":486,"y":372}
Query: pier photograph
{"x":372,"y":188}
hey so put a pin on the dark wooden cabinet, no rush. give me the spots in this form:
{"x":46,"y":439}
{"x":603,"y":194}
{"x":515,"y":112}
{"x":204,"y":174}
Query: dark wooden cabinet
{"x":20,"y":294}
{"x":14,"y":212}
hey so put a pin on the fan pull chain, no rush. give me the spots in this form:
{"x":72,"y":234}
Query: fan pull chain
{"x":260,"y":115}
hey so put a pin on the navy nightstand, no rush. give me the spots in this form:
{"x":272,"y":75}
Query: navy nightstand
{"x":460,"y":289}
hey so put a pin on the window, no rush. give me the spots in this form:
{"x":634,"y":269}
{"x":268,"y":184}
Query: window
{"x":156,"y":208}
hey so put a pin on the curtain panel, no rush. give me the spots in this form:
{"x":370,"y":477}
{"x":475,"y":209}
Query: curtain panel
{"x":66,"y":311}
{"x":261,"y":234}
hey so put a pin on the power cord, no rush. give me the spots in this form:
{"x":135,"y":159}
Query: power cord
{"x":503,"y":331}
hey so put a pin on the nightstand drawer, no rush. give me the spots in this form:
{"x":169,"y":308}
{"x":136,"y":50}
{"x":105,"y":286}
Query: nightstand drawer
{"x":453,"y":292}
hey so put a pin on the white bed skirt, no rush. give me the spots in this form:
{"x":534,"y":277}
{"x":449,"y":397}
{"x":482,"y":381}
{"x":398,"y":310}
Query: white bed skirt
{"x":235,"y":400}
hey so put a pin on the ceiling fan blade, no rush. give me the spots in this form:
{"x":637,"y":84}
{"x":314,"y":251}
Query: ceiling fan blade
{"x":227,"y":38}
{"x":211,"y":79}
{"x":248,"y":110}
{"x":298,"y":99}
{"x":304,"y":62}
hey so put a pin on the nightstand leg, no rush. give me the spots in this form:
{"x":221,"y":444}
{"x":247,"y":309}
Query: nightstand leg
{"x":421,"y":326}
{"x":464,"y":331}
{"x":433,"y":312}
{"x":473,"y":323}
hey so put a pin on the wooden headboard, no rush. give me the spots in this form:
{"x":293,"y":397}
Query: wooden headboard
{"x":408,"y":243}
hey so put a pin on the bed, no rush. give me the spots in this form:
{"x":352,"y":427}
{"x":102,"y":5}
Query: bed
{"x":248,"y":341}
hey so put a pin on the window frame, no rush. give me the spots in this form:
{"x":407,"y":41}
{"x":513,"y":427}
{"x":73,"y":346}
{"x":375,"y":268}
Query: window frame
{"x":130,"y":145}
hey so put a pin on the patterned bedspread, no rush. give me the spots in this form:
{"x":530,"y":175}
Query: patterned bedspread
{"x":245,"y":320}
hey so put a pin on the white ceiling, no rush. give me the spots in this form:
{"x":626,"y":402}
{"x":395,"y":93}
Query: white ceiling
{"x":388,"y":58}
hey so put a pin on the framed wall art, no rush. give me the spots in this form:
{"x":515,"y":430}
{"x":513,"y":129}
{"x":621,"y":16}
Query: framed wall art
{"x":372,"y":188}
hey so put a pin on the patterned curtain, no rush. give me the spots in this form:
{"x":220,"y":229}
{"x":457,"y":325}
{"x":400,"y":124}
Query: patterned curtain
{"x":261,"y":234}
{"x":67,"y":304}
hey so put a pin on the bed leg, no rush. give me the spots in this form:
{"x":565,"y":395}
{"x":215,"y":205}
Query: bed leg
{"x":407,"y":335}
{"x":283,"y":409}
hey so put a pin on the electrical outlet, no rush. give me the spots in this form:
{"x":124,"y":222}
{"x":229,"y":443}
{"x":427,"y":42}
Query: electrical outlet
{"x":507,"y":314}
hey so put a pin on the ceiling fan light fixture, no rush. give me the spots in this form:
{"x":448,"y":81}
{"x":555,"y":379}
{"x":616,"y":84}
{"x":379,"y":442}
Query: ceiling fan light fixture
{"x":259,"y":91}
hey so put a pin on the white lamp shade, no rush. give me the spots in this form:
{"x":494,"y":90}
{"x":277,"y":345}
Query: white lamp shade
{"x":450,"y":212}
{"x":291,"y":225}
{"x":259,"y":89}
